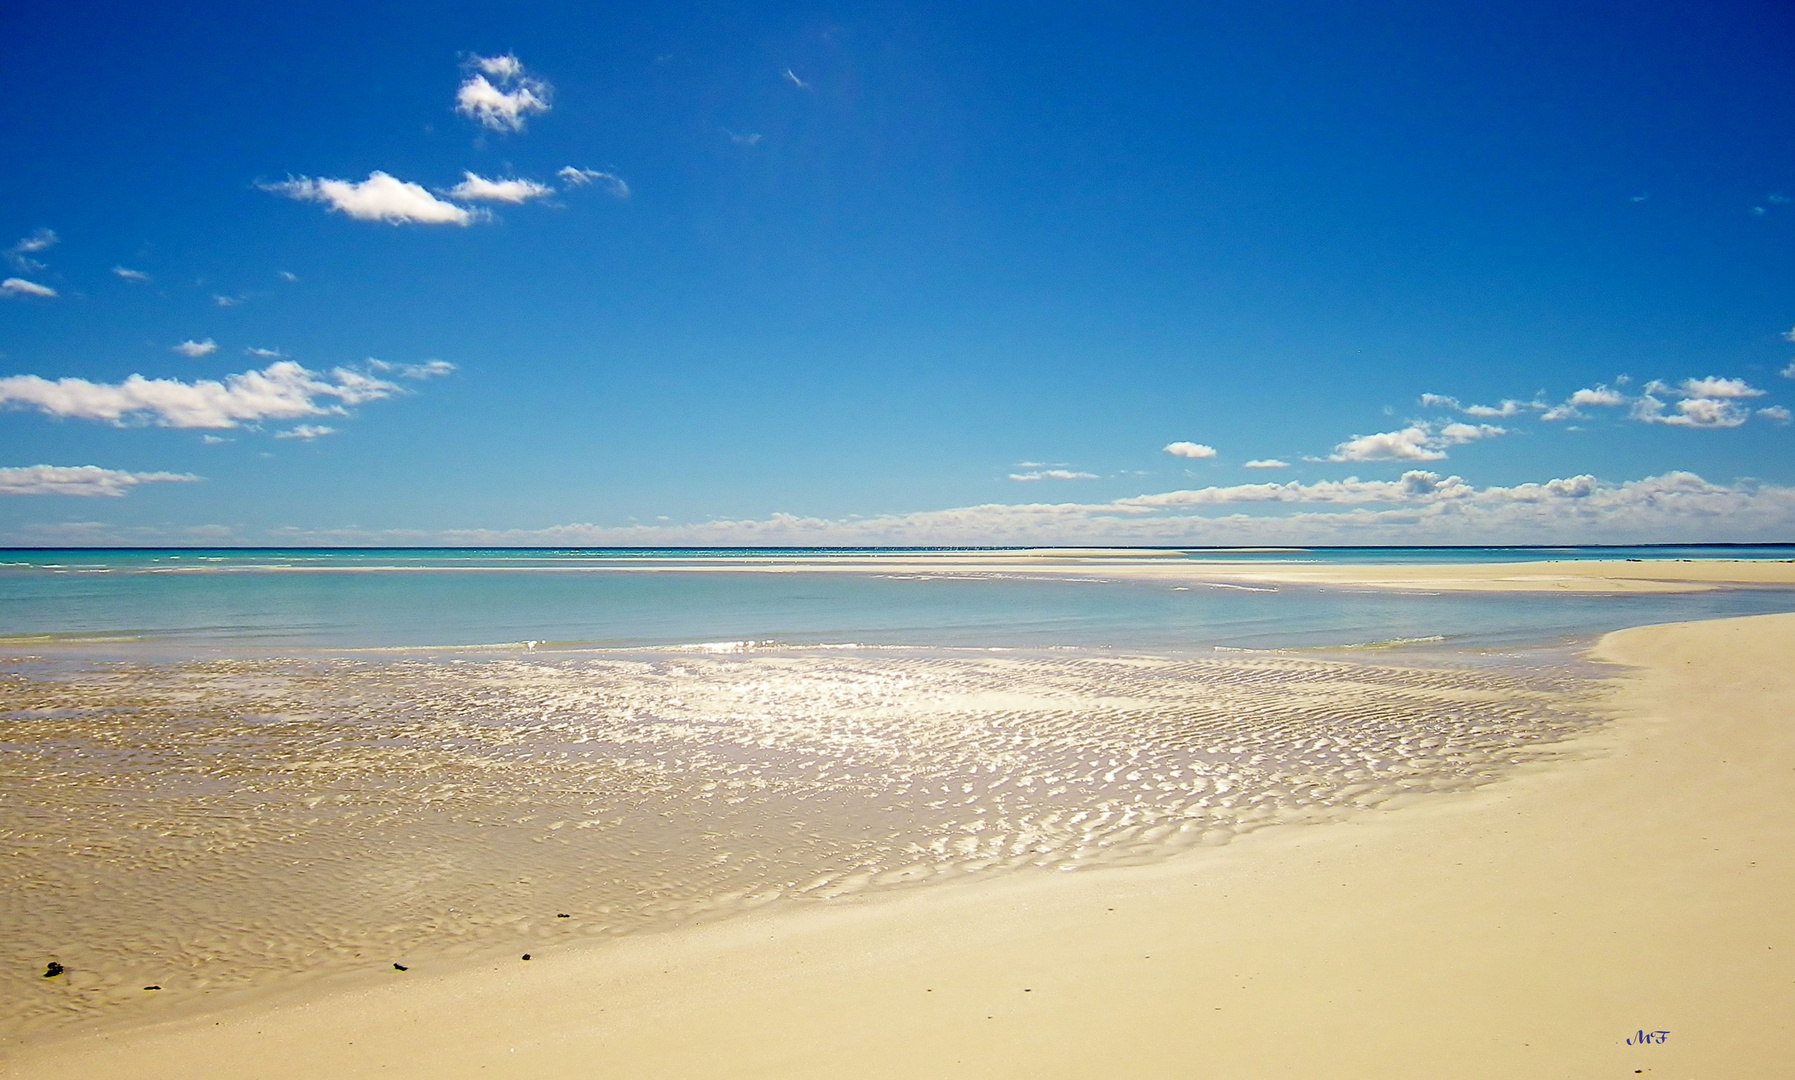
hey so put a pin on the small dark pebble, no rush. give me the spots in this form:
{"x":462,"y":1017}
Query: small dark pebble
{"x":564,"y":916}
{"x":152,"y":988}
{"x":526,"y":956}
{"x":400,"y":967}
{"x":53,"y":969}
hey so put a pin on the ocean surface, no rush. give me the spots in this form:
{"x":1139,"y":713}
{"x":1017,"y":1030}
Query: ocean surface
{"x":255,"y":602}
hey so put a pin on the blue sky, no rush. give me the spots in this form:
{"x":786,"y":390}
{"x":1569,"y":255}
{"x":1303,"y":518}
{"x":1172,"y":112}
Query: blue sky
{"x":897,"y":273}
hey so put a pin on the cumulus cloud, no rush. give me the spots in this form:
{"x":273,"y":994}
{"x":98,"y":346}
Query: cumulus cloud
{"x":85,"y":480}
{"x":506,"y":105}
{"x":378,"y":198}
{"x":1709,"y":402}
{"x":1789,"y":372}
{"x":19,"y":255}
{"x":476,"y":188}
{"x":1417,"y":442}
{"x":307,"y":432}
{"x":1052,"y":474}
{"x":610,"y":183}
{"x":193,"y":350}
{"x":1265,"y":463}
{"x":281,"y":391}
{"x":1508,"y":407}
{"x":129,"y":274}
{"x":1194,"y":451}
{"x":1715,"y":387}
{"x":14,"y":286}
{"x":1775,"y":413}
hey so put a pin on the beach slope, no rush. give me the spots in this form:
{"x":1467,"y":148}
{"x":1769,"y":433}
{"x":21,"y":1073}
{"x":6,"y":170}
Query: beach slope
{"x":1642,"y":882}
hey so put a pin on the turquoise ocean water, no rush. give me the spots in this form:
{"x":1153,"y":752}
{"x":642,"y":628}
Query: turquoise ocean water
{"x":269,"y":601}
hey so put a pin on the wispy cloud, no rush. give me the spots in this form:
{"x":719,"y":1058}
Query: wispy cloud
{"x":130,"y":275}
{"x":86,"y":480}
{"x":1508,"y":407}
{"x":1265,"y":463}
{"x":281,"y":391}
{"x":221,"y":300}
{"x":1775,"y":413}
{"x":19,"y":255}
{"x":193,"y":350}
{"x":508,"y":104}
{"x":610,"y":183}
{"x":1194,"y":451}
{"x":429,"y":369}
{"x":1419,"y":508}
{"x":264,"y":354}
{"x":1052,"y":474}
{"x":791,"y":76}
{"x":307,"y":432}
{"x":743,"y":138}
{"x":14,"y":286}
{"x":287,"y":276}
{"x":476,"y":188}
{"x":378,"y":198}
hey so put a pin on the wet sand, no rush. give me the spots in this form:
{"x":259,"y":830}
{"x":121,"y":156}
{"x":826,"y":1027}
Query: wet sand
{"x":235,"y":828}
{"x":1524,"y":929}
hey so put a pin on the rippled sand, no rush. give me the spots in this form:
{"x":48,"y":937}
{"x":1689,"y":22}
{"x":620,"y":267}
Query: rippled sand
{"x":235,"y":825}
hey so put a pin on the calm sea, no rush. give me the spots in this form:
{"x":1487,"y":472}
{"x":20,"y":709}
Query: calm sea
{"x":252,"y":602}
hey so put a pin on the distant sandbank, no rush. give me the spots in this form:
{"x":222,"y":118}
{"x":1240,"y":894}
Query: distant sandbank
{"x":1638,"y":884}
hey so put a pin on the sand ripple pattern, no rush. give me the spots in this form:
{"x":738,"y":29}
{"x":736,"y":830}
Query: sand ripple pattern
{"x":223,"y":827}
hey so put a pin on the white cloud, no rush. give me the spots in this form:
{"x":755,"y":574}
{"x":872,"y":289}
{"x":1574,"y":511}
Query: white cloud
{"x":611,"y":183}
{"x":507,"y":66}
{"x":1691,"y":412}
{"x":1715,"y":387}
{"x":130,"y":275}
{"x":19,"y":255}
{"x":378,"y":198}
{"x":1597,"y":395}
{"x":1265,"y":463}
{"x":1439,"y":401}
{"x":308,"y":432}
{"x":475,"y":188}
{"x":745,"y":138}
{"x":429,"y":369}
{"x":287,"y":276}
{"x":1509,"y":407}
{"x":280,"y":391}
{"x":229,"y":301}
{"x":1194,"y":451}
{"x":792,"y":77}
{"x":506,"y":106}
{"x":1789,"y":372}
{"x":1454,"y":434}
{"x":13,"y":286}
{"x":1420,"y":508}
{"x":1789,"y":334}
{"x":80,"y":480}
{"x":1417,"y":442}
{"x":1776,"y":413}
{"x":265,"y":354}
{"x":1053,"y":474}
{"x":1413,"y":443}
{"x":193,"y":350}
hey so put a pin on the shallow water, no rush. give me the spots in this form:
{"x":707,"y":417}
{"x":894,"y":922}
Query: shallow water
{"x":228,"y":825}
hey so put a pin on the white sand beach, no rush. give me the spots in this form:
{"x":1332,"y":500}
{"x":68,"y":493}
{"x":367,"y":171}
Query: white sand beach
{"x":1640,"y":882}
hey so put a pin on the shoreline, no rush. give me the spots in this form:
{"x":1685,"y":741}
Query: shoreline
{"x":1639,"y":882}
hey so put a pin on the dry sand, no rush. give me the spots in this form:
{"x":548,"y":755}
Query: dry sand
{"x":1523,"y":930}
